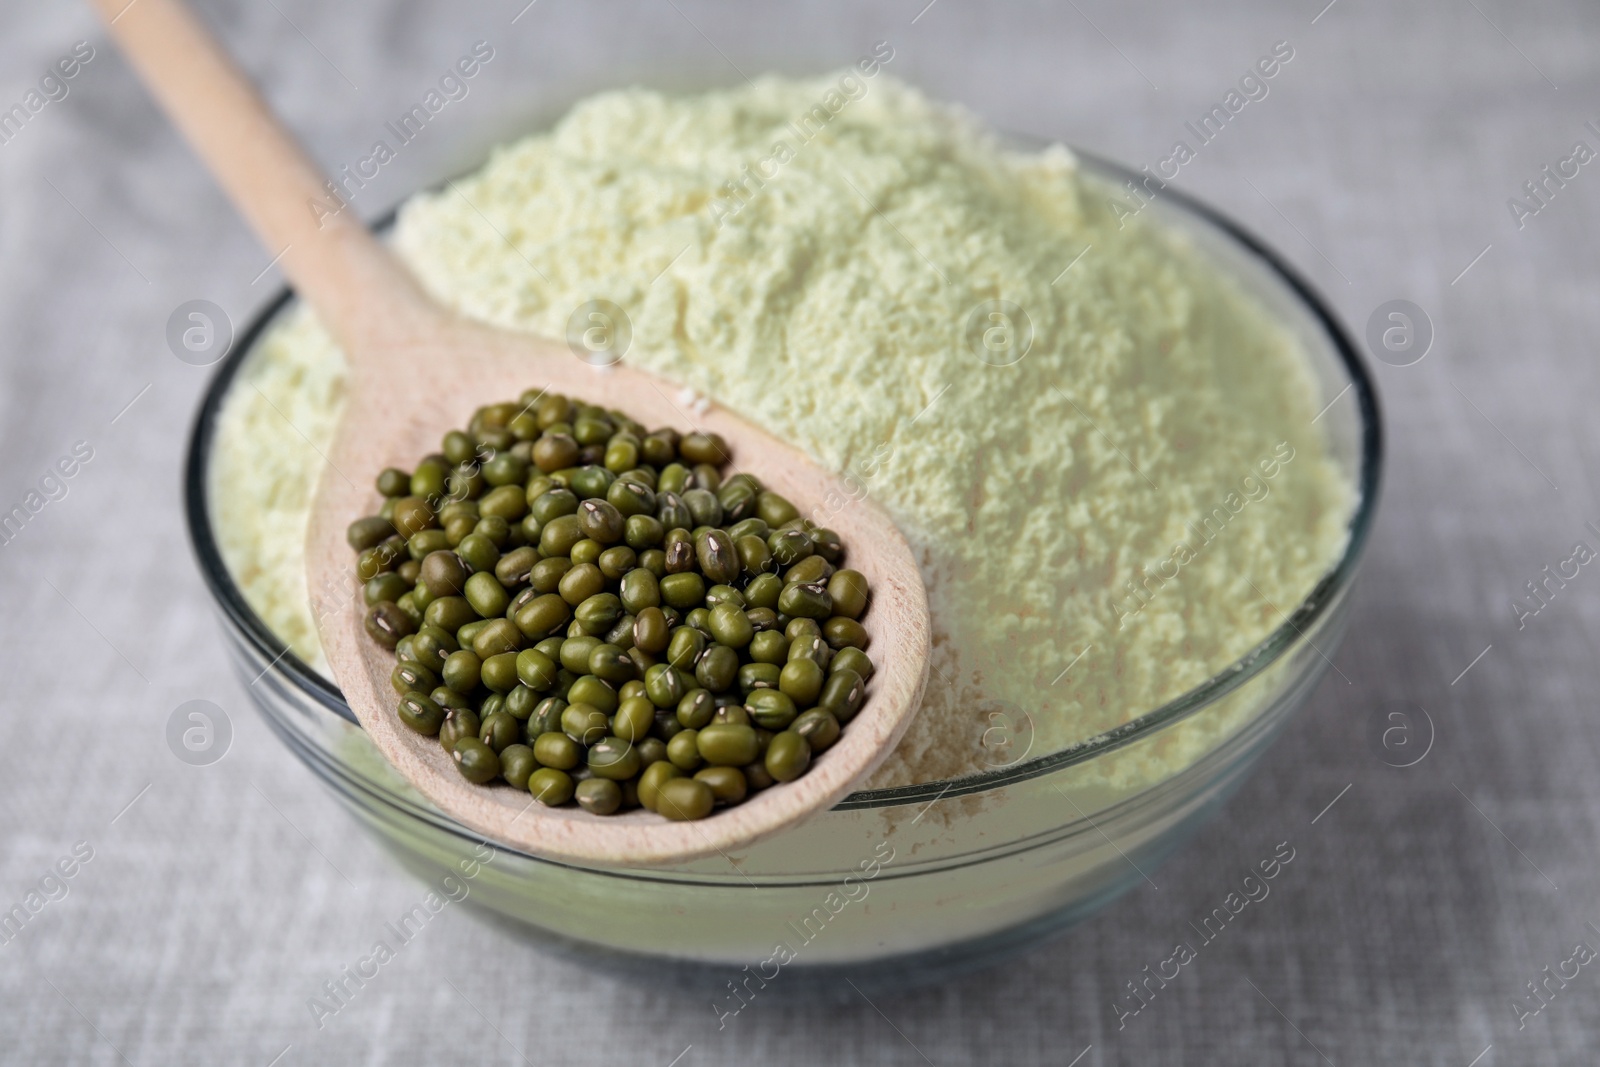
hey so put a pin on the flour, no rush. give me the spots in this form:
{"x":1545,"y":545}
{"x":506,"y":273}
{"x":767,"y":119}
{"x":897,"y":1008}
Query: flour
{"x":836,"y":308}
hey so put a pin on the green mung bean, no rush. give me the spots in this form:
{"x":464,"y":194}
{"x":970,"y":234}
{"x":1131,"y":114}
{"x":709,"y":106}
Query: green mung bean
{"x":586,"y":609}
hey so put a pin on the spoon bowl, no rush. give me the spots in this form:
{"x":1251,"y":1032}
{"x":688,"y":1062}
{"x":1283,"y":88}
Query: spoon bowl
{"x":405,"y":417}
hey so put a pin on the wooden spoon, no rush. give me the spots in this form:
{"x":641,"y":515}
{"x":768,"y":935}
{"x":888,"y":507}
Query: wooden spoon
{"x":398,"y":406}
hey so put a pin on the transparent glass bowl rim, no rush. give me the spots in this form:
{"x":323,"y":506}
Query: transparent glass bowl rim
{"x":1325,"y":594}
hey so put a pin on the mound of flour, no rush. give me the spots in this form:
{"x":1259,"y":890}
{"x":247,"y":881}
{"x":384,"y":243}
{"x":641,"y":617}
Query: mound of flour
{"x":1101,"y":449}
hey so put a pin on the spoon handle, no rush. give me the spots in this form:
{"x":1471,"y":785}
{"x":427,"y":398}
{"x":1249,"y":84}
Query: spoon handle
{"x":360,"y":291}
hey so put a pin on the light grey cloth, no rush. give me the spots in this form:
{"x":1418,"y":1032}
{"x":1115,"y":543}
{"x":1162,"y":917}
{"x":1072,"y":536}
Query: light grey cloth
{"x":1381,"y":161}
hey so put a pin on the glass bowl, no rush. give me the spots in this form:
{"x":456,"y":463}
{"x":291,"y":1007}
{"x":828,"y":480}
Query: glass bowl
{"x":894,"y":884}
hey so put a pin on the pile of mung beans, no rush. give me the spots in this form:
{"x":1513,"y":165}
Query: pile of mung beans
{"x":590,"y":611}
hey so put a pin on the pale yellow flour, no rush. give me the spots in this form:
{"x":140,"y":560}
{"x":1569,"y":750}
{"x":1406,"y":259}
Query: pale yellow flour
{"x":1136,"y":497}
